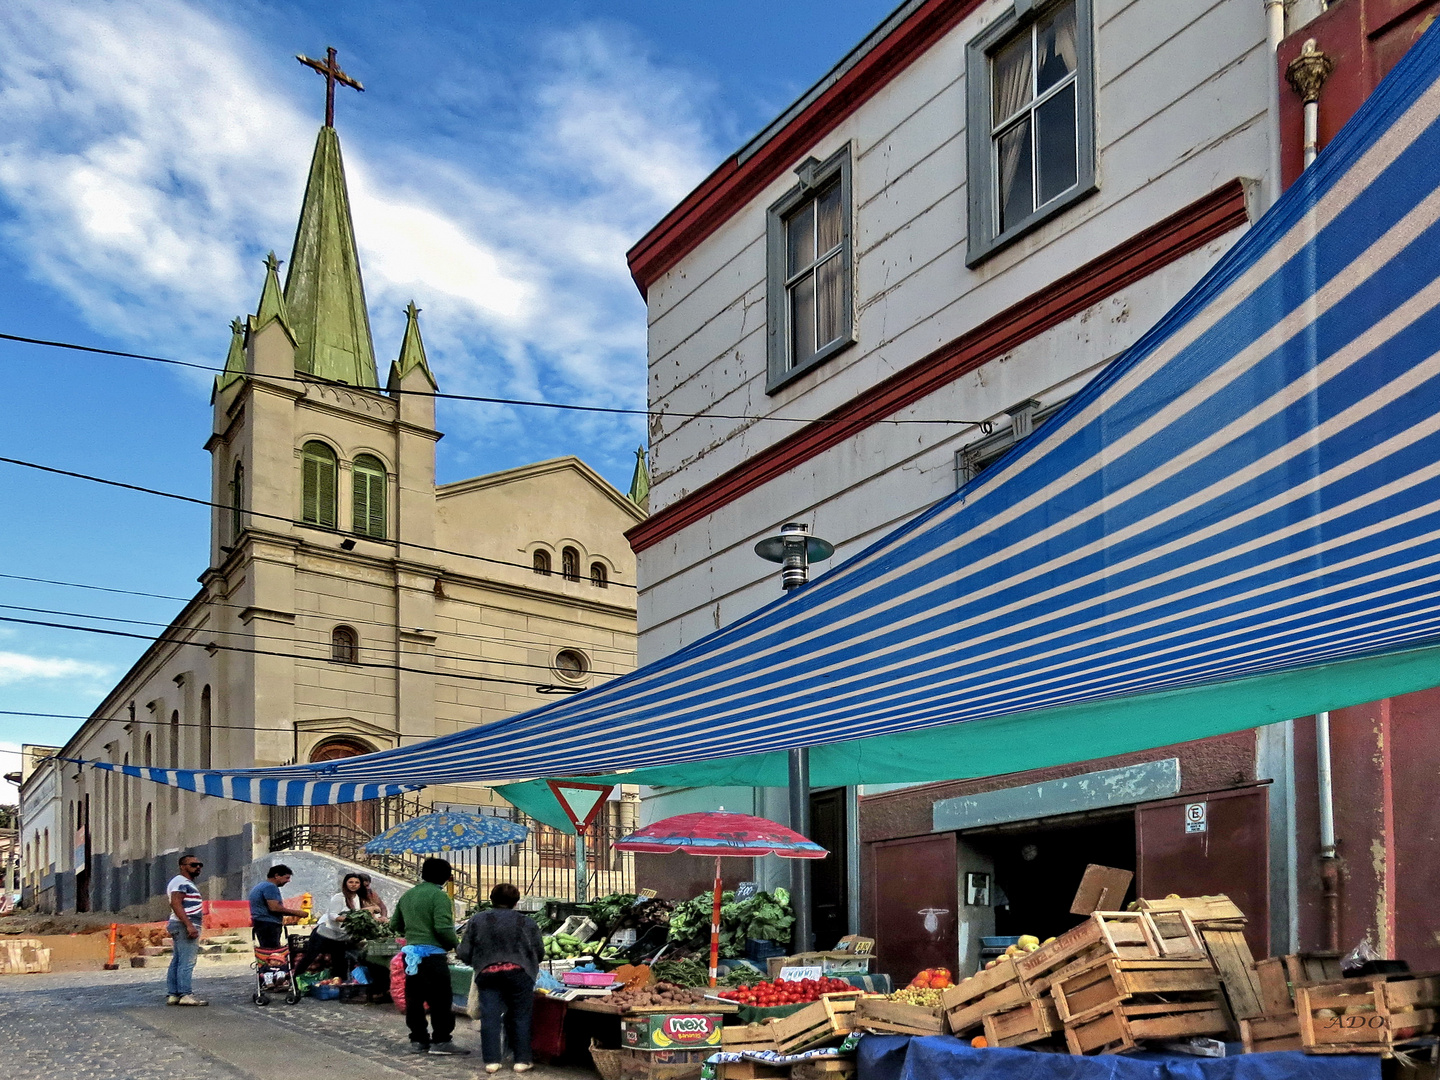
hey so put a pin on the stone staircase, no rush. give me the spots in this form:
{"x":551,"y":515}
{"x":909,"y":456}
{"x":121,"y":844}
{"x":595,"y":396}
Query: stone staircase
{"x":218,"y":949}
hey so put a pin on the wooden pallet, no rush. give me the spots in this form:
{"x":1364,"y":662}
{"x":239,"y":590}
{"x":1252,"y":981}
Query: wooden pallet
{"x":899,"y":1017}
{"x":1083,"y":991}
{"x":1125,"y":1026}
{"x":1030,"y":1022}
{"x":1130,"y":935}
{"x":1264,"y":1033}
{"x":988,"y":990}
{"x":818,"y":1023}
{"x":1371,"y":1014}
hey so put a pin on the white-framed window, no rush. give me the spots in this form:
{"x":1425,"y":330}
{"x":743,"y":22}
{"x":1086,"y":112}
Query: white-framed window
{"x":809,"y":303}
{"x":1031,"y":116}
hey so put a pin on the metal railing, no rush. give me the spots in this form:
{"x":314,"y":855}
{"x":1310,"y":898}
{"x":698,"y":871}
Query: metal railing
{"x":543,"y":865}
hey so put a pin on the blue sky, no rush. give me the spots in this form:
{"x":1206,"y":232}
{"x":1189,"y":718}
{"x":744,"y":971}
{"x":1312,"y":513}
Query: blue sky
{"x":502,"y":159}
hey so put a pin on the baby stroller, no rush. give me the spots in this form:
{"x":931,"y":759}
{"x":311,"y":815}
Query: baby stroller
{"x":275,"y":973}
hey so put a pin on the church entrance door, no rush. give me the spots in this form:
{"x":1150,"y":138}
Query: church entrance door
{"x":343,"y":821}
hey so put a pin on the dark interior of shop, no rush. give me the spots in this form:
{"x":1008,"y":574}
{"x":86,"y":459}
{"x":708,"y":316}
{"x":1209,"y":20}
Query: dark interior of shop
{"x":1039,"y":868}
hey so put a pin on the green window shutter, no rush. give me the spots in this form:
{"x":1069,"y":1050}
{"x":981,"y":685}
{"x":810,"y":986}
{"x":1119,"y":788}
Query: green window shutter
{"x":317,"y":483}
{"x":368,"y":505}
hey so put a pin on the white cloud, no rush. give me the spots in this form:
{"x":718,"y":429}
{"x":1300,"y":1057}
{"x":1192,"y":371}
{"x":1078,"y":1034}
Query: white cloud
{"x":148,"y":158}
{"x":17,"y":667}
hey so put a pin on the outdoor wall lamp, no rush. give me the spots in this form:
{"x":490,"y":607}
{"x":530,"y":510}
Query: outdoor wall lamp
{"x":794,"y":549}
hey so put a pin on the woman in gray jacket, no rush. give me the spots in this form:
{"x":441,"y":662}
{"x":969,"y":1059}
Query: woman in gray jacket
{"x":504,"y":948}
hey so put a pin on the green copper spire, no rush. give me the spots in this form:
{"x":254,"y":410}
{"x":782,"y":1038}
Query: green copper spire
{"x":272,"y":301}
{"x":412,"y":350}
{"x":640,"y":481}
{"x":323,"y":292}
{"x":234,"y":359}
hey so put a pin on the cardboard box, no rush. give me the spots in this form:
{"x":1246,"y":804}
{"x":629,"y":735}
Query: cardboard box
{"x":830,"y":962}
{"x":671,"y":1031}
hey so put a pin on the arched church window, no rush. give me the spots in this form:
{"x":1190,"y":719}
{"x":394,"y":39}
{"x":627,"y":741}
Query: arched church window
{"x":344,"y":645}
{"x":541,"y":562}
{"x":368,"y":474}
{"x":599,"y":576}
{"x":175,"y":757}
{"x":206,"y":736}
{"x":317,"y":480}
{"x":570,"y":564}
{"x":237,"y":501}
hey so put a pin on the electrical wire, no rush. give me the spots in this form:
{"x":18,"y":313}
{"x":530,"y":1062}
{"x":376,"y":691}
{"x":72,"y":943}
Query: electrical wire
{"x":569,"y":407}
{"x":273,"y":517}
{"x":588,"y":647}
{"x":371,"y":647}
{"x":183,"y":724}
{"x":211,"y":645}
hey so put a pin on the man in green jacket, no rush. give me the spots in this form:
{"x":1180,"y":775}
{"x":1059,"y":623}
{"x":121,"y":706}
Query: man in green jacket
{"x":425,"y":918}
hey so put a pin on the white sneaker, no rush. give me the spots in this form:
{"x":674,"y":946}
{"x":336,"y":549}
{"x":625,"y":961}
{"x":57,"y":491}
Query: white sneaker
{"x":493,"y":1067}
{"x":522,"y":1066}
{"x":172,"y":999}
{"x":190,"y":999}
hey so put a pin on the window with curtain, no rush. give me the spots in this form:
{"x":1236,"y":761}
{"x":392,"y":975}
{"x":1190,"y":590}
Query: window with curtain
{"x":318,"y":468}
{"x":809,"y":305}
{"x":599,"y":576}
{"x":344,"y":645}
{"x":570,"y":564}
{"x":368,"y":505}
{"x":1032,"y":121}
{"x":237,"y":501}
{"x":206,"y":736}
{"x":541,"y":562}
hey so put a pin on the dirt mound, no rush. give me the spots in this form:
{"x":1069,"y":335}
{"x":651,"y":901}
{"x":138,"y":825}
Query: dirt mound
{"x":33,"y":924}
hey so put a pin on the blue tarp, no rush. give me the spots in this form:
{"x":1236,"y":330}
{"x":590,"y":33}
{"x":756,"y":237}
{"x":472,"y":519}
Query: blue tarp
{"x":901,"y":1057}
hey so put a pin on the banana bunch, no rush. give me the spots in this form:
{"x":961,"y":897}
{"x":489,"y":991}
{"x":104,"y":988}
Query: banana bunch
{"x":914,"y":995}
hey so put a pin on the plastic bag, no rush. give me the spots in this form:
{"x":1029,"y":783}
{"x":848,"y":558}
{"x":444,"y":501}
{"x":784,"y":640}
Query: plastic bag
{"x":1358,"y":957}
{"x":359,"y":975}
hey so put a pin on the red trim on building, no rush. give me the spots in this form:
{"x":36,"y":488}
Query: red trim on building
{"x":1179,"y":234}
{"x":732,"y":185}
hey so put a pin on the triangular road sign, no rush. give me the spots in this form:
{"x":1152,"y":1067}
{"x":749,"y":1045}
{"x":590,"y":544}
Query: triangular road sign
{"x":581,"y":802}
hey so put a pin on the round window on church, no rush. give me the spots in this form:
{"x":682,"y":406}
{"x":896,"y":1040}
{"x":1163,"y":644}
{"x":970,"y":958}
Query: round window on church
{"x":572,"y":664}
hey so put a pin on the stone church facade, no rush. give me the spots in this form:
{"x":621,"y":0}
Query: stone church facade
{"x":350,"y":604}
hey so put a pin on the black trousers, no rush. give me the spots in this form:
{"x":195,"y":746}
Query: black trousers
{"x":267,"y":934}
{"x":511,"y":995}
{"x":430,"y":985}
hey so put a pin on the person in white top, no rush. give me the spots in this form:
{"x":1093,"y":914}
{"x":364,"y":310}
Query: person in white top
{"x":329,"y":937}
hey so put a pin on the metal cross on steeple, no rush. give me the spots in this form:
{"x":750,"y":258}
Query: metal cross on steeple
{"x":333,"y":74}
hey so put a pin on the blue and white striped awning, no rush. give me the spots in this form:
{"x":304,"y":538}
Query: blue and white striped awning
{"x":1238,"y":522}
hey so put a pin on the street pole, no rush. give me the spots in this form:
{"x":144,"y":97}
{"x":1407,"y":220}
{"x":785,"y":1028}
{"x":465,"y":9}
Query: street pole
{"x":580,"y":897}
{"x":800,"y":868}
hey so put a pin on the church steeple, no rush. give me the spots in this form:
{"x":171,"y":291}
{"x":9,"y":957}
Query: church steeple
{"x":412,"y":352}
{"x":235,"y":359}
{"x":324,"y":295}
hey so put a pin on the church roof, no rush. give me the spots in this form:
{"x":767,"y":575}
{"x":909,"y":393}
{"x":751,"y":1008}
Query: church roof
{"x":412,"y":350}
{"x":324,"y":296}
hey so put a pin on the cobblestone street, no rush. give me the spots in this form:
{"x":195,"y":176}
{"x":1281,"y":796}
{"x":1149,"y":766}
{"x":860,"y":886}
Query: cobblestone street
{"x":102,"y":1024}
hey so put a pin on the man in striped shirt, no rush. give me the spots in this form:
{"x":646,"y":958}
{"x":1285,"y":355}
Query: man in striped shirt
{"x":186,"y":905}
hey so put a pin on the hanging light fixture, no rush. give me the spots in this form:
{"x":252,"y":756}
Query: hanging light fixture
{"x":794,"y":549}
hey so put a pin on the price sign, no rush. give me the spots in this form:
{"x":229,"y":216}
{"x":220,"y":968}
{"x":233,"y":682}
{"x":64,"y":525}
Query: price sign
{"x":745,"y":890}
{"x":800,"y":974}
{"x":1195,"y":817}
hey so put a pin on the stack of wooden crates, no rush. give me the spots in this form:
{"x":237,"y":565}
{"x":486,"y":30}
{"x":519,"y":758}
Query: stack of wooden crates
{"x":820,"y":1023}
{"x":1116,"y":979}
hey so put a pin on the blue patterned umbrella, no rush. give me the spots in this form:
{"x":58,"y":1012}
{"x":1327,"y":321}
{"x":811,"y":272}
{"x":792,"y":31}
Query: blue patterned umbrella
{"x":446,"y":832}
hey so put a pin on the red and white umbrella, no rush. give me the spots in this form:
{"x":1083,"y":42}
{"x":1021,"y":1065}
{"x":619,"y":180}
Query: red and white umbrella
{"x":721,"y":834}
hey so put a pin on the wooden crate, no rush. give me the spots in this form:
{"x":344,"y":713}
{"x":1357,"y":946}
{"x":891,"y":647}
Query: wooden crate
{"x":818,"y":1023}
{"x":1263,"y":1033}
{"x":749,"y":1070}
{"x":1030,"y":1022}
{"x":738,"y":1038}
{"x":1231,"y":955}
{"x":1124,"y":1026}
{"x":24,"y":956}
{"x":899,"y":1017}
{"x":966,"y":1003}
{"x":1373,"y":1014}
{"x":1130,"y":935}
{"x":824,"y":1069}
{"x":1206,"y":912}
{"x":1083,"y":991}
{"x":663,"y":1064}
